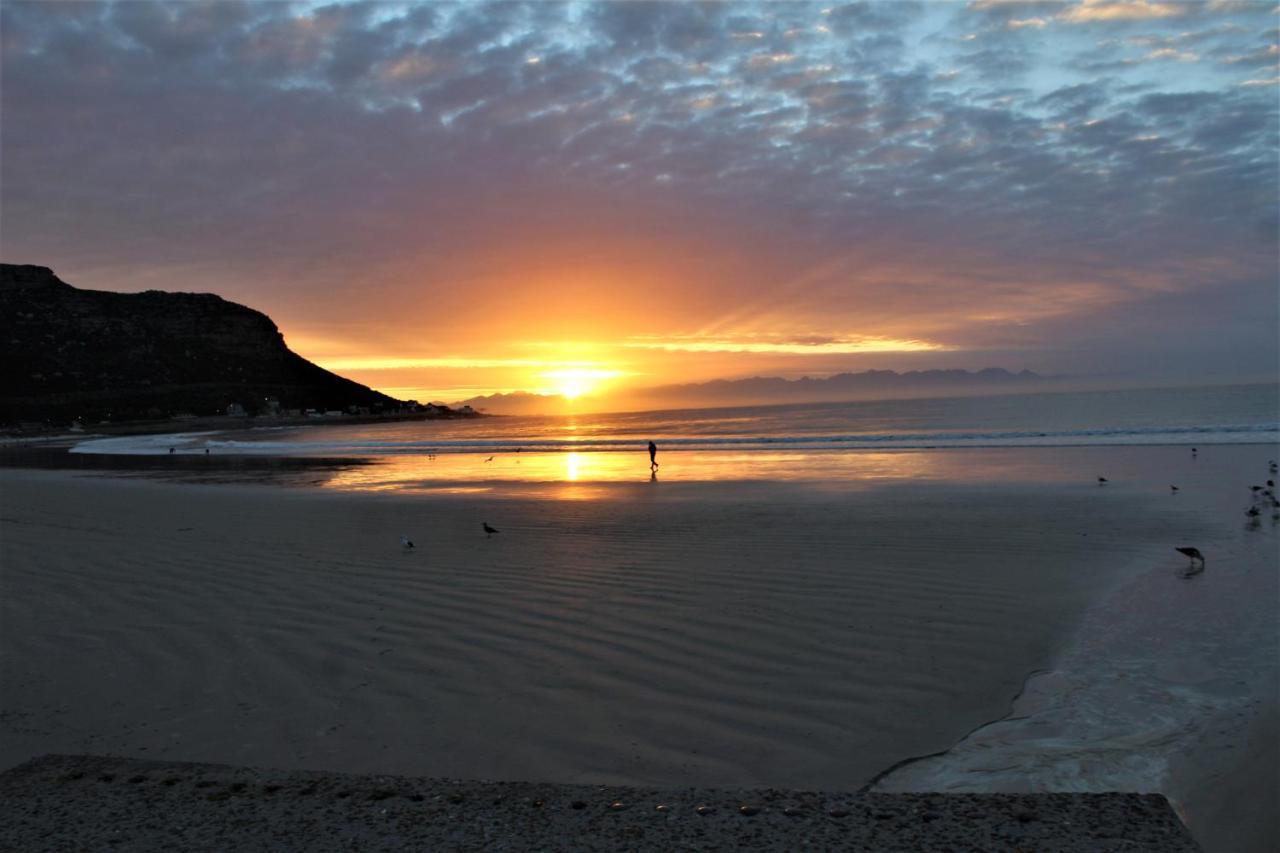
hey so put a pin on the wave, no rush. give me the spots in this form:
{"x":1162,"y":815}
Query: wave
{"x":323,"y":444}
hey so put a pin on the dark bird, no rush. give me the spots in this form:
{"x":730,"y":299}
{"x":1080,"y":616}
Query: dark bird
{"x":489,"y":531}
{"x":1271,"y":484}
{"x":490,"y":459}
{"x":1253,"y":512}
{"x":1255,"y":488}
{"x":1173,"y":488}
{"x":406,"y":542}
{"x":1193,"y":553}
{"x":1193,"y":451}
{"x":1102,"y":480}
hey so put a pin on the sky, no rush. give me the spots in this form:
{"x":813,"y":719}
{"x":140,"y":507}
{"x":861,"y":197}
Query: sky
{"x":443,"y":200}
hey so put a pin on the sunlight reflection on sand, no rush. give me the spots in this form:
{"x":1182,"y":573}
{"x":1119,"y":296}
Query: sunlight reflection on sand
{"x":474,"y":472}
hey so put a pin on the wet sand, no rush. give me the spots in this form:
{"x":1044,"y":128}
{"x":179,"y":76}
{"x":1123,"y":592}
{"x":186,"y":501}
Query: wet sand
{"x":729,"y":635}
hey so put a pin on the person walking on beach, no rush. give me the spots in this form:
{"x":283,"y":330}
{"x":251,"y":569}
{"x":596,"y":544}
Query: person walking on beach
{"x":653,"y":456}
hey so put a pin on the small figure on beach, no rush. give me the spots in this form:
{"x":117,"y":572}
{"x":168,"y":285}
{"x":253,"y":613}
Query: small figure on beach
{"x":1102,"y":481}
{"x":406,"y":542}
{"x":170,"y":449}
{"x":1173,"y":489}
{"x":489,"y":531}
{"x":653,"y":456}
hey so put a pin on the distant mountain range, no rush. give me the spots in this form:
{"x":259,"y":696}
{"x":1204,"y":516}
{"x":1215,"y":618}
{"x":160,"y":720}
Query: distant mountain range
{"x":69,"y":353}
{"x":774,"y":390}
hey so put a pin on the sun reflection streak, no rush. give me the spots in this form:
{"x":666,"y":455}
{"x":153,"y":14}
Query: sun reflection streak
{"x":580,"y":468}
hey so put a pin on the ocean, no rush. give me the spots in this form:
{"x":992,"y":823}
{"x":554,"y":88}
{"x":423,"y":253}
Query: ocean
{"x":1231,"y":414}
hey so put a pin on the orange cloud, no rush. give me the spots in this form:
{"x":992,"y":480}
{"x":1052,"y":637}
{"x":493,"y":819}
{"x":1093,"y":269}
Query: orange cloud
{"x":1122,"y":10}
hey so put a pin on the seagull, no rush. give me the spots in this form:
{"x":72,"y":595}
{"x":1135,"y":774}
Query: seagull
{"x":406,"y":542}
{"x":1193,"y":553}
{"x":489,"y":531}
{"x":1102,"y":481}
{"x":1173,"y":488}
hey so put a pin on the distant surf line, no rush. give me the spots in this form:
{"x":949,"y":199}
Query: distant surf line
{"x":1100,"y":437}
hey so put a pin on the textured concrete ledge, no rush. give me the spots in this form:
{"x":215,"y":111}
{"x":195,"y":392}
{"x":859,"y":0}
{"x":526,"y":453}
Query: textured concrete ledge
{"x":80,"y":802}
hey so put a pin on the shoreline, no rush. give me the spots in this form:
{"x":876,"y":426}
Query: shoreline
{"x":212,"y":424}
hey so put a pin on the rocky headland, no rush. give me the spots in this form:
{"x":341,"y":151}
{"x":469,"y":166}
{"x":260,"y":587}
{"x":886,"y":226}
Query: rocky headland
{"x":89,"y":355}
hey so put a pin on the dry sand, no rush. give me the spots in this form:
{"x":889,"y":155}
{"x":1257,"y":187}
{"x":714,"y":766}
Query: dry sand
{"x":732,"y":635}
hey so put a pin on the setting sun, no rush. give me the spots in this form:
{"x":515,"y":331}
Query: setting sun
{"x":574,"y":382}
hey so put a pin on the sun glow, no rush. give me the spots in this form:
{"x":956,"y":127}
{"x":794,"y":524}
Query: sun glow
{"x":572,"y":383}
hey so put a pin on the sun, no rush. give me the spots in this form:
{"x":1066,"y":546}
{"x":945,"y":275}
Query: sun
{"x":572,"y":383}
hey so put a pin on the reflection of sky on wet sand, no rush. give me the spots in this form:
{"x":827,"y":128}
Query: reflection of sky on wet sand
{"x":468,"y":472}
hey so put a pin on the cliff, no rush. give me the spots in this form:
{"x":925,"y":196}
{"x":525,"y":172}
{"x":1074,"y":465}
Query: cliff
{"x":69,"y":353}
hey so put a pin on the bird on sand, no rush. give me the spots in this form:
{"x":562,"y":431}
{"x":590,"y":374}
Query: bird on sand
{"x":406,"y":542}
{"x":489,"y":531}
{"x":1253,"y":512}
{"x":490,"y":459}
{"x":1102,"y":481}
{"x":1173,"y":488}
{"x":1193,"y":553}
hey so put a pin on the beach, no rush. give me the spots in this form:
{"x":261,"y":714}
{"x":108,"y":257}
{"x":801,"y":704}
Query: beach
{"x":791,"y":634}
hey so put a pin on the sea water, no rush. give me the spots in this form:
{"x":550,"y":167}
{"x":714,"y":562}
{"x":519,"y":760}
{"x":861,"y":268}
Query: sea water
{"x":1235,"y":414}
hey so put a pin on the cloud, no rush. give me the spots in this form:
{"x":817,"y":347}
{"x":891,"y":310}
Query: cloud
{"x":810,"y":345}
{"x":1123,"y":10}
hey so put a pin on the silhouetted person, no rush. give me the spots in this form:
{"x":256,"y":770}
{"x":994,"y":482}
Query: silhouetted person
{"x":653,"y":456}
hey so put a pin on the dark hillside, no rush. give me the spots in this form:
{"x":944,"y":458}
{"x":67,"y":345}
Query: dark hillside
{"x":69,"y":353}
